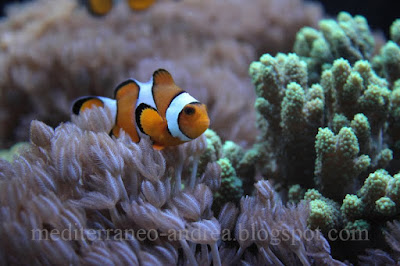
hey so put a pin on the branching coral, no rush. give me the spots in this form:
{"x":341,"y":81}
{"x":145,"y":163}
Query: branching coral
{"x":334,"y":135}
{"x":338,"y":154}
{"x":347,"y":37}
{"x":53,"y":52}
{"x":354,"y":102}
{"x":289,"y":114}
{"x":387,"y":62}
{"x":378,"y":197}
{"x":75,"y":195}
{"x":324,"y":213}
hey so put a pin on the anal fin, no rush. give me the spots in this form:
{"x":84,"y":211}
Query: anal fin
{"x":158,"y":147}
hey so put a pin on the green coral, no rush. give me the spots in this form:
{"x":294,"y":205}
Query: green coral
{"x":385,"y":206}
{"x":350,"y":113}
{"x":362,"y":129}
{"x":358,"y":225}
{"x":387,"y":63}
{"x":384,"y":158}
{"x":351,"y":90}
{"x":10,"y":154}
{"x":231,"y":185}
{"x":233,"y":152}
{"x":213,"y":151}
{"x":375,"y":186}
{"x":352,"y":207}
{"x":395,"y":31}
{"x":395,"y":100}
{"x":358,"y":93}
{"x":324,"y":215}
{"x":348,"y":37}
{"x":289,"y":113}
{"x":295,"y":193}
{"x":394,"y":129}
{"x":338,"y":122}
{"x":312,"y":194}
{"x":378,"y":197}
{"x":351,"y":100}
{"x":337,"y":162}
{"x":291,"y":109}
{"x":393,"y":189}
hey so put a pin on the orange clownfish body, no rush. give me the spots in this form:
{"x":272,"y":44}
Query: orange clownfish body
{"x":157,"y":108}
{"x":102,"y":7}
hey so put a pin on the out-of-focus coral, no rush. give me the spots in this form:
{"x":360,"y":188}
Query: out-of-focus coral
{"x":387,"y":62}
{"x":78,"y":196}
{"x":213,"y":149}
{"x":387,"y":65}
{"x":347,"y":37}
{"x":8,"y":154}
{"x":295,"y":193}
{"x":54,"y":51}
{"x":231,"y":189}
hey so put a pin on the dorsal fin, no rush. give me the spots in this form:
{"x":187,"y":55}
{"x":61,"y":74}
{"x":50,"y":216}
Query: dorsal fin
{"x":127,"y":87}
{"x":164,"y":90}
{"x":162,"y":77}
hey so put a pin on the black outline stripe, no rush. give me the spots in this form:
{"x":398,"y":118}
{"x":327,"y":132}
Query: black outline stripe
{"x":76,"y":107}
{"x":169,"y":132}
{"x":173,"y":98}
{"x":159,"y":71}
{"x":154,"y":81}
{"x":122,"y":84}
{"x":179,"y":125}
{"x":138,"y":113}
{"x":119,"y":86}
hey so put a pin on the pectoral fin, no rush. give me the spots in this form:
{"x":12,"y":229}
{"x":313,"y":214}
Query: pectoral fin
{"x":149,"y":120}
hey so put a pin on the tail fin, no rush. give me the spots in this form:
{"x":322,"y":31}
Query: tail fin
{"x":86,"y":102}
{"x":98,"y":7}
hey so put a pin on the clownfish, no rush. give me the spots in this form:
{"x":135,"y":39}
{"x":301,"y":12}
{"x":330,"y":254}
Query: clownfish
{"x":158,"y":108}
{"x":102,"y":7}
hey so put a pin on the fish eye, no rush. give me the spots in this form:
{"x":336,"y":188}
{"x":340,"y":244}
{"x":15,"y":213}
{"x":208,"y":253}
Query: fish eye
{"x":189,"y":110}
